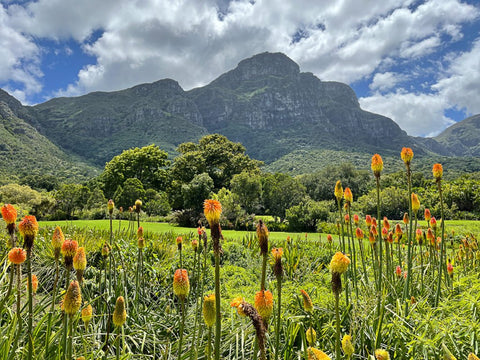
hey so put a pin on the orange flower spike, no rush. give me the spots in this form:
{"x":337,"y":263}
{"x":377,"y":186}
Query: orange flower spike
{"x":374,"y":231}
{"x":433,"y":222}
{"x":348,"y":196}
{"x":406,"y":155}
{"x":9,"y":214}
{"x":140,"y":232}
{"x":377,"y":165}
{"x":338,"y":190}
{"x":406,"y":218}
{"x":28,"y":227}
{"x":307,"y":301}
{"x":430,"y":236}
{"x":386,"y":224}
{"x":329,"y":238}
{"x":398,"y":230}
{"x":371,"y":238}
{"x":384,"y":233}
{"x":398,"y":271}
{"x":17,"y":256}
{"x":69,"y":248}
{"x":277,"y":253}
{"x":181,"y":284}
{"x":419,"y":235}
{"x":356,"y":219}
{"x":390,"y":237}
{"x":368,"y":220}
{"x":264,"y":304}
{"x":374,"y":222}
{"x":237,"y":302}
{"x":359,"y":233}
{"x":57,"y":239}
{"x":195,"y":245}
{"x":427,"y":215}
{"x":415,"y":203}
{"x":179,"y":240}
{"x":212,"y":210}
{"x":450,"y":268}
{"x":347,"y":218}
{"x":437,"y":172}
{"x":34,"y":284}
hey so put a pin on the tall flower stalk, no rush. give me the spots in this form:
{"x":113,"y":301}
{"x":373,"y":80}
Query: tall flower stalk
{"x":139,"y":272}
{"x":438,"y":174}
{"x":339,"y":195}
{"x":338,"y":266}
{"x":9,"y":214}
{"x":278,"y":271}
{"x":181,"y":288}
{"x":348,"y":196}
{"x":28,"y":229}
{"x":212,"y":211}
{"x":17,"y":257}
{"x":195,"y":279}
{"x":262,"y":234}
{"x":71,"y":304}
{"x":377,"y":167}
{"x":119,"y":317}
{"x":407,"y":156}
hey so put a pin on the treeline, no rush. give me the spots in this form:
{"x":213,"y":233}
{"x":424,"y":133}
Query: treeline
{"x":174,"y":190}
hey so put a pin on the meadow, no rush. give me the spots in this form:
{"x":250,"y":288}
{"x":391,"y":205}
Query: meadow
{"x":379,"y":289}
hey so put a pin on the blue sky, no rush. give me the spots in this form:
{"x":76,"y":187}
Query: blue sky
{"x":417,"y":62}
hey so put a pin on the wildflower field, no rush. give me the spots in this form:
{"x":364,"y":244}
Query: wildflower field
{"x":378,"y":289}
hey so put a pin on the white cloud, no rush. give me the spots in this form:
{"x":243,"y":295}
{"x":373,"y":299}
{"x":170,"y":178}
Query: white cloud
{"x":385,"y":81}
{"x":19,"y":61}
{"x":189,"y":41}
{"x":457,"y":87}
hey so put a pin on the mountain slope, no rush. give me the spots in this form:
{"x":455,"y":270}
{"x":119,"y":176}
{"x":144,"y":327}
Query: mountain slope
{"x":462,"y":138}
{"x":100,"y":125}
{"x":25,"y":151}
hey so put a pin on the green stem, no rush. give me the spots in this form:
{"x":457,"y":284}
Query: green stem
{"x":218,"y":323}
{"x":337,"y":327}
{"x":52,"y":308}
{"x":182,"y":324}
{"x":343,"y":248}
{"x":19,"y":314}
{"x":70,"y":337}
{"x":117,"y":340}
{"x":279,"y":312}
{"x":209,"y":343}
{"x":264,"y":271}
{"x":30,"y":304}
{"x":353,"y":252}
{"x":442,"y":246}
{"x":380,"y":270}
{"x":196,"y":304}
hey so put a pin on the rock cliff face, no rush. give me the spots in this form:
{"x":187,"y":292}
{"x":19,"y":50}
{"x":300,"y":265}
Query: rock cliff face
{"x":272,"y":108}
{"x":265,"y":102}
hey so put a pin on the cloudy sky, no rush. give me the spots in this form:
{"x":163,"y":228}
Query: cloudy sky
{"x":417,"y":62}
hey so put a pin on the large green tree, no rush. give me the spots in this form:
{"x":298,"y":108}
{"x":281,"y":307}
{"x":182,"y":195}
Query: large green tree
{"x":215,"y":155}
{"x":147,"y":164}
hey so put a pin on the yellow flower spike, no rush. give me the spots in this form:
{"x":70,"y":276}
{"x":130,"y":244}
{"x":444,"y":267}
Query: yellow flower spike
{"x":80,"y":259}
{"x":315,"y":354}
{"x":237,"y":302}
{"x":338,"y":190}
{"x":472,"y":356}
{"x":73,"y":299}
{"x":212,"y":210}
{"x":181,"y":284}
{"x":87,"y":314}
{"x":28,"y":227}
{"x":382,"y":354}
{"x":307,"y":301}
{"x":311,"y":335}
{"x":119,"y":313}
{"x":264,"y":304}
{"x":447,"y":355}
{"x":437,"y":171}
{"x":209,"y":310}
{"x":377,"y":165}
{"x":347,"y":345}
{"x":110,"y":206}
{"x":339,"y":263}
{"x":406,"y":155}
{"x":415,"y":203}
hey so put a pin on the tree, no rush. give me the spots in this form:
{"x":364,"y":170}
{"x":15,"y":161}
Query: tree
{"x":195,"y":192}
{"x":70,"y":198}
{"x":215,"y":155}
{"x":131,"y":191}
{"x":247,"y":186}
{"x":280,"y":192}
{"x":147,"y":164}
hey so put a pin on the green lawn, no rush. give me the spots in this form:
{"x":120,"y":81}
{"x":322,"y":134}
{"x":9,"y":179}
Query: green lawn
{"x":166,"y":227}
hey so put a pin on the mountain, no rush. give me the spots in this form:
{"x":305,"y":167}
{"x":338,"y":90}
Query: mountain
{"x":462,"y":138}
{"x":24,"y":151}
{"x":283,"y":117}
{"x":100,"y":125}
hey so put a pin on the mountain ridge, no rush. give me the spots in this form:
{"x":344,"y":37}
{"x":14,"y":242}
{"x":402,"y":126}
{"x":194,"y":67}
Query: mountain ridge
{"x":266,"y":103}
